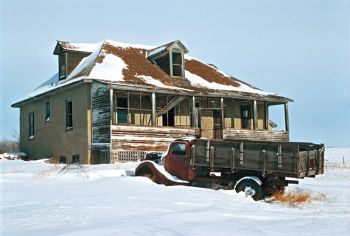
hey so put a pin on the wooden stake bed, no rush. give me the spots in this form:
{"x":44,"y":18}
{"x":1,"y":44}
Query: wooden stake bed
{"x":283,"y":159}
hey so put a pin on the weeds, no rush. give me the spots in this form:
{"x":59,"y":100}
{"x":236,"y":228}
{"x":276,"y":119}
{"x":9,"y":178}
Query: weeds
{"x":297,"y":198}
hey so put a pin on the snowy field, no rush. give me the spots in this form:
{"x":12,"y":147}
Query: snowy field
{"x":46,"y":199}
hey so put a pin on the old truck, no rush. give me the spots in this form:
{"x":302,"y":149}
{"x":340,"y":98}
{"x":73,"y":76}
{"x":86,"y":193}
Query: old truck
{"x":258,"y":168}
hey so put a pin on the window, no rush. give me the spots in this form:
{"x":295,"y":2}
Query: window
{"x":178,"y":149}
{"x":133,"y":108}
{"x":177,"y":63}
{"x":122,"y":108}
{"x":246,"y":113}
{"x":31,"y":124}
{"x":76,"y":159}
{"x":173,"y":110}
{"x":47,"y":111}
{"x":69,"y":114}
{"x":62,"y":66}
{"x":63,"y":159}
{"x":171,"y":63}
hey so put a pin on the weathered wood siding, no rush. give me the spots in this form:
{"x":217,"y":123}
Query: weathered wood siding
{"x":146,"y":138}
{"x":101,"y":113}
{"x":73,"y":59}
{"x":258,"y":135}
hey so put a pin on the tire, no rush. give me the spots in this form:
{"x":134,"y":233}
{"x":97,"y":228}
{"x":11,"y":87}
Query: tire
{"x":251,"y":188}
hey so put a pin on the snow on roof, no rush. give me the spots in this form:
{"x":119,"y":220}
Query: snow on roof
{"x":82,"y":47}
{"x":127,"y":64}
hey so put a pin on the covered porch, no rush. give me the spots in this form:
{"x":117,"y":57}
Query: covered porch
{"x":148,"y":121}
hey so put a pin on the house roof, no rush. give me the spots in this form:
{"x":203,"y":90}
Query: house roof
{"x":123,"y":64}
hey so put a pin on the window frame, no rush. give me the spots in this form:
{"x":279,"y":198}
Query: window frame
{"x":31,"y":127}
{"x":128,"y":109}
{"x":184,"y":151}
{"x":249,"y":118}
{"x":173,"y":64}
{"x":47,"y":112}
{"x":74,"y":158}
{"x":67,"y":115}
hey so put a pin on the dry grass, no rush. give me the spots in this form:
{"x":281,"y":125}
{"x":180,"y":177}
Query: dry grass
{"x":293,"y":197}
{"x":52,"y":161}
{"x":297,"y":198}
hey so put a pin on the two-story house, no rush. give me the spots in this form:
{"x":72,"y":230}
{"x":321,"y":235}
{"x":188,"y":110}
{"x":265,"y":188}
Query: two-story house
{"x":112,"y":101}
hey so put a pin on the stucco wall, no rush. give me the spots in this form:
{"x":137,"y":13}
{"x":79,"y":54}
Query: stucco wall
{"x":52,"y":139}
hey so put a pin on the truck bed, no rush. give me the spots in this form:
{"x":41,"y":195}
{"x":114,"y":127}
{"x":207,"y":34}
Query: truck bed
{"x":284,"y":159}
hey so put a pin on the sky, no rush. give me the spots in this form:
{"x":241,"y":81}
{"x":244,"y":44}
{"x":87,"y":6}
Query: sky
{"x":296,"y":48}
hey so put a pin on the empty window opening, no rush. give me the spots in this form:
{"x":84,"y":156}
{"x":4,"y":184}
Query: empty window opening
{"x":173,"y":110}
{"x":276,"y":117}
{"x":246,"y":115}
{"x":76,"y":159}
{"x":47,"y":112}
{"x":171,"y":63}
{"x":69,"y":114}
{"x":122,"y":108}
{"x":168,"y":118}
{"x":63,"y":159}
{"x":62,"y":66}
{"x":177,"y":64}
{"x":31,"y":124}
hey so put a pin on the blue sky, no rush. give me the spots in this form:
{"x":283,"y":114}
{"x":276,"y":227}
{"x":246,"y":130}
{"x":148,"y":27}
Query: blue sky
{"x":299,"y":49}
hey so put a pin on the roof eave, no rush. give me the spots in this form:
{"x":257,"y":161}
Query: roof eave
{"x":225,"y":94}
{"x":20,"y":103}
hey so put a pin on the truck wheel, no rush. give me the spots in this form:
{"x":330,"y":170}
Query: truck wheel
{"x":250,"y":188}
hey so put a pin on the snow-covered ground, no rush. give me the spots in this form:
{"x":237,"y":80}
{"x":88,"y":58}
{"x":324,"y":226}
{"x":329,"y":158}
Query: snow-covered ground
{"x":45,"y":199}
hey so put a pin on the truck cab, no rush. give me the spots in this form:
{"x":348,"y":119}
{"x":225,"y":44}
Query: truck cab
{"x":177,"y":160}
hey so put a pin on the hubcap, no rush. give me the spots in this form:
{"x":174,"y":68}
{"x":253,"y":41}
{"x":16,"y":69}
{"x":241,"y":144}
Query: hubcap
{"x":249,"y":191}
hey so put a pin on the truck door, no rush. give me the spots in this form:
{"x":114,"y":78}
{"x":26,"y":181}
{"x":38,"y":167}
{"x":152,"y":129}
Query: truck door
{"x":178,"y":160}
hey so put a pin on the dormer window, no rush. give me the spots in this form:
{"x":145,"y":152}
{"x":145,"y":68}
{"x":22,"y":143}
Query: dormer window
{"x":177,"y":64}
{"x":170,"y":58}
{"x":62,"y":66}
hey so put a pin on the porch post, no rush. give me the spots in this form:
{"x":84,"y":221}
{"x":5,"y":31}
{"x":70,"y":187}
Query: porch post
{"x":266,"y":124}
{"x":255,"y":114}
{"x":112,"y":120}
{"x":194,"y":115}
{"x":154,"y":118}
{"x":286,"y":116}
{"x":222,"y":114}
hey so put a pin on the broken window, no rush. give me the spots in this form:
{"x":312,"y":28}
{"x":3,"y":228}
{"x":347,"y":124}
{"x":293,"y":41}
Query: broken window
{"x":122,"y":107}
{"x":69,"y":115}
{"x":47,"y":112}
{"x":165,"y":110}
{"x":133,"y":108}
{"x":62,"y":66}
{"x":246,"y":114}
{"x":31,"y":124}
{"x":76,"y":159}
{"x":173,"y":110}
{"x":173,"y":65}
{"x":177,"y":64}
{"x":63,"y":159}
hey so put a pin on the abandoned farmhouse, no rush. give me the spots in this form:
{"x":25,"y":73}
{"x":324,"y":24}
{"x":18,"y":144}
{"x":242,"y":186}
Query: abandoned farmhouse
{"x":113,"y":101}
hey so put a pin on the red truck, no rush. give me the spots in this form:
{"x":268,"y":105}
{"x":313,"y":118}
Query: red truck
{"x":258,"y":168}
